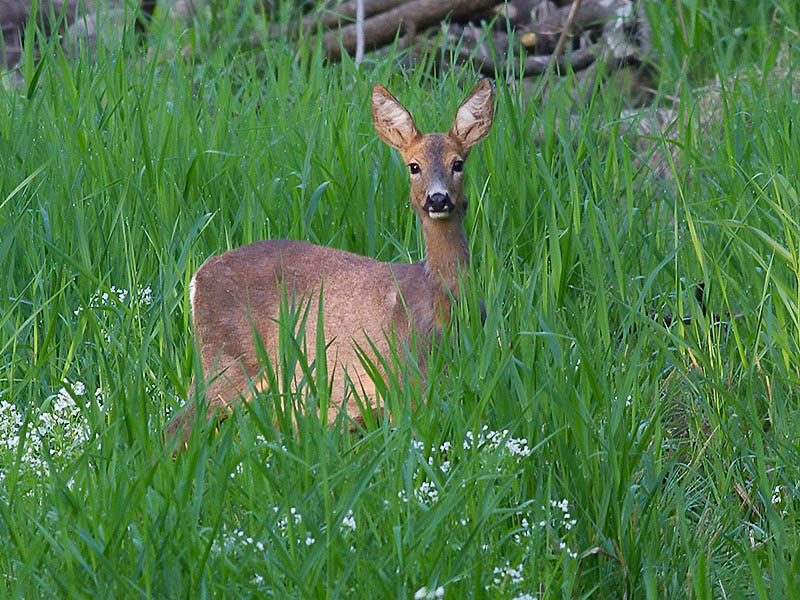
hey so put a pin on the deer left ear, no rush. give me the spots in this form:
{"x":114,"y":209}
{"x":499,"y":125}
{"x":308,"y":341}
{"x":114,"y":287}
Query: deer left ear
{"x":393,"y":123}
{"x":475,"y":115}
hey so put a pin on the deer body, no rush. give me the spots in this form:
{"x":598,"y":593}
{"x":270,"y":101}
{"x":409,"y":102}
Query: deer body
{"x":367,"y":305}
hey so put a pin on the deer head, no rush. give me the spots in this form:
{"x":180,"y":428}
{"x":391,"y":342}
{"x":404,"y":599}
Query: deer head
{"x":435,"y":160}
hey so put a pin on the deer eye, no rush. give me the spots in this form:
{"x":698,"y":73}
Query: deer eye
{"x":458,"y":166}
{"x":414,"y":168}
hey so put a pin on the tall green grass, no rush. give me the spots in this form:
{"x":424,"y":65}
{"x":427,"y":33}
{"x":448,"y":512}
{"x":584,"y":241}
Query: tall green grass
{"x":575,"y":446}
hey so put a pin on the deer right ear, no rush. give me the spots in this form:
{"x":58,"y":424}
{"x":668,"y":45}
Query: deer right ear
{"x":475,"y":115}
{"x":393,"y":123}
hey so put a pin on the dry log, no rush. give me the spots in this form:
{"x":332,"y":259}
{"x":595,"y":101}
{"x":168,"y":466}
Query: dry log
{"x":516,"y":12}
{"x":80,"y":21}
{"x":534,"y":65}
{"x":472,"y":42}
{"x":340,"y":14}
{"x":13,"y":14}
{"x":589,"y":14}
{"x":577,"y":61}
{"x":383,"y":28}
{"x":143,"y":19}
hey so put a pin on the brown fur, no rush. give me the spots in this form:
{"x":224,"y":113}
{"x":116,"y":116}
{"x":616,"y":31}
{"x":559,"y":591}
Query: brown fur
{"x":366,"y":303}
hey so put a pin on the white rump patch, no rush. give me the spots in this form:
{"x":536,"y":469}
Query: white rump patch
{"x":192,"y":289}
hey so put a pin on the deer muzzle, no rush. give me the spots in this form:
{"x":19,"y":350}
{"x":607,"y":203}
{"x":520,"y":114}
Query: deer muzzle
{"x":438,"y":206}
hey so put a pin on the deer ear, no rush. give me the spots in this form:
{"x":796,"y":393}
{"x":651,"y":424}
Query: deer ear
{"x":475,"y":115}
{"x":392,"y":121}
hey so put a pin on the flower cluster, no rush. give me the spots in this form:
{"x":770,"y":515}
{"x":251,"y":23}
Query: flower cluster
{"x":348,"y":522}
{"x":238,"y":540}
{"x":487,"y":441}
{"x":507,"y":575}
{"x":554,"y":523}
{"x":62,"y":430}
{"x":118,"y":296}
{"x":566,"y":518}
{"x":104,"y":305}
{"x":490,"y":441}
{"x":557,"y":520}
{"x":426,"y":494}
{"x":283,"y":523}
{"x":424,"y":593}
{"x":548,"y":525}
{"x":227,"y":542}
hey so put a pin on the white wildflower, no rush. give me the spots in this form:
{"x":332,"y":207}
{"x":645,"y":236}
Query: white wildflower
{"x":424,"y":593}
{"x":427,"y":493}
{"x":348,"y":522}
{"x":513,"y":575}
{"x":491,"y":440}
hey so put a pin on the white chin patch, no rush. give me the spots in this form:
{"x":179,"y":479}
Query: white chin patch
{"x":439,"y":215}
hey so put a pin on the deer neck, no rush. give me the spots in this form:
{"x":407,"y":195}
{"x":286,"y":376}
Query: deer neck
{"x":447,"y":259}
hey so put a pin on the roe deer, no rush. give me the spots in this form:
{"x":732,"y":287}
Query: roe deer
{"x":365,"y":303}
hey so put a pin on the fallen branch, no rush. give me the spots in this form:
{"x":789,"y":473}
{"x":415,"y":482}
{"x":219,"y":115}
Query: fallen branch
{"x":562,"y":39}
{"x":515,"y":12}
{"x":336,"y":16}
{"x":383,"y":28}
{"x":534,"y":65}
{"x":573,"y":10}
{"x":589,"y":13}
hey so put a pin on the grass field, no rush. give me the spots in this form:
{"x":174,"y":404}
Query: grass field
{"x":574,"y":447}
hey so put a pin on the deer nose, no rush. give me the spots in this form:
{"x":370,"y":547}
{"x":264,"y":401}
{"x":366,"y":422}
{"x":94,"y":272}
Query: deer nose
{"x":438,"y":204}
